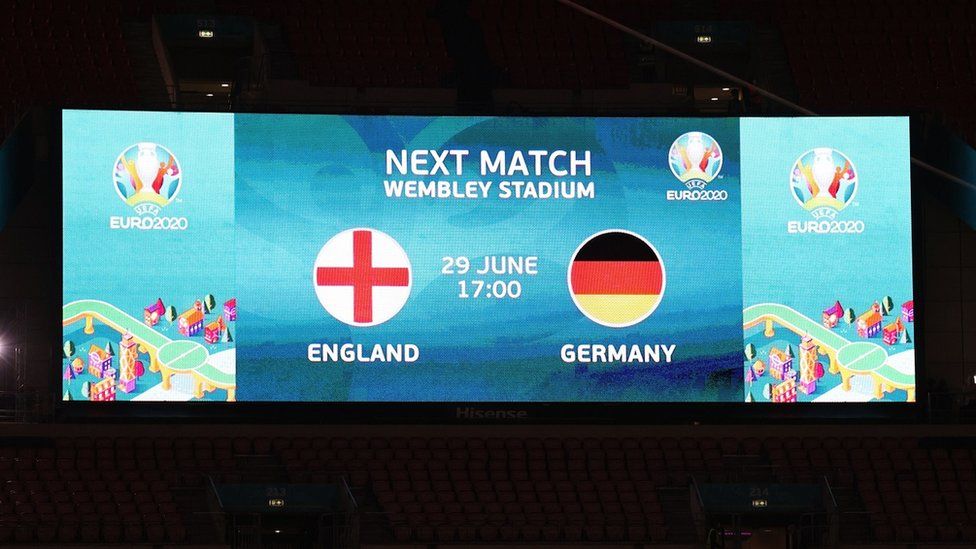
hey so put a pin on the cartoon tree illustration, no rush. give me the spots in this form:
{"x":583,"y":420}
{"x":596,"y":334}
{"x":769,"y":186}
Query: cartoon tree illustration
{"x":849,"y":315}
{"x":171,"y":313}
{"x":67,"y":396}
{"x":69,"y":349}
{"x":109,"y":349}
{"x":905,"y":338}
{"x":789,"y":351}
{"x":209,"y":302}
{"x":226,"y":337}
{"x":887,"y":304}
{"x":750,"y":352}
{"x":86,"y":389}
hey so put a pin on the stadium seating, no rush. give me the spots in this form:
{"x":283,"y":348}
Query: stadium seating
{"x":475,"y":489}
{"x":73,"y":490}
{"x":544,"y":45}
{"x":95,"y":71}
{"x":399,"y":45}
{"x":923,"y":58}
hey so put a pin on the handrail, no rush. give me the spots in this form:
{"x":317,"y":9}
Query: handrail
{"x":954,"y":406}
{"x":694,"y":484}
{"x":213,"y":489}
{"x":698,"y":510}
{"x":830,"y":492}
{"x":345,"y":486}
{"x":219,"y":515}
{"x":833,"y":514}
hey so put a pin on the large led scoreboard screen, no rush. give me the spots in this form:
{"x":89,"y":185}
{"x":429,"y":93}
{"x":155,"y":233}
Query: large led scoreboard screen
{"x":321,"y":258}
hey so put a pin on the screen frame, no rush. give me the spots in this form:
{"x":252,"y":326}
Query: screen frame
{"x":484,"y":412}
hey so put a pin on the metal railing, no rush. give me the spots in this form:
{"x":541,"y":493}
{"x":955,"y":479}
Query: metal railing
{"x":951,"y":407}
{"x":833,"y":515}
{"x":23,"y":406}
{"x":698,"y":511}
{"x":346,"y":523}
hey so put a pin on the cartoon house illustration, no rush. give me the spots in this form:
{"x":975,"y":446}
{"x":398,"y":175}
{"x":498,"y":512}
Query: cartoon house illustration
{"x":869,"y":324}
{"x":908,"y":311}
{"x":152,"y":313}
{"x":103,"y":391}
{"x":780,"y":364}
{"x":230,"y":309}
{"x":212,"y":331}
{"x":832,"y":315}
{"x":128,"y":355}
{"x":891,"y":332}
{"x":808,"y":366}
{"x":99,"y":362}
{"x":190,"y":322}
{"x":784,"y":392}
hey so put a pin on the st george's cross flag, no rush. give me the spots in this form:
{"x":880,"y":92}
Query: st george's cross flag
{"x":362,"y":277}
{"x":616,"y":278}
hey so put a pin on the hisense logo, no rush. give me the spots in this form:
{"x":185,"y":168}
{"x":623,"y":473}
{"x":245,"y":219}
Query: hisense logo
{"x":469,"y":412}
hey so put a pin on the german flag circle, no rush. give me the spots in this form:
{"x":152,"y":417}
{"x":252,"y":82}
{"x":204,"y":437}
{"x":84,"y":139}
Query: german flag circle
{"x":616,"y":278}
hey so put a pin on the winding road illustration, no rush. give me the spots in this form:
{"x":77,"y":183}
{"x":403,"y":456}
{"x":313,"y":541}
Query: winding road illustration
{"x":165,"y":355}
{"x":846,"y":358}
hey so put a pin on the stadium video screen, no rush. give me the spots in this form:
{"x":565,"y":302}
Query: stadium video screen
{"x":322,"y":258}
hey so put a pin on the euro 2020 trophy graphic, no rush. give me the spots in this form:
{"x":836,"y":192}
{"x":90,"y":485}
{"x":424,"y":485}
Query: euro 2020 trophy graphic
{"x":823,"y":181}
{"x":695,"y":158}
{"x":147,"y":177}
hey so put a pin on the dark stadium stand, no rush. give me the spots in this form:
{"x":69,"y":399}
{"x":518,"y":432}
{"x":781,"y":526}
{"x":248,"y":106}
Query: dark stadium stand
{"x":464,"y":489}
{"x":543,"y":45}
{"x":490,"y":485}
{"x":96,"y":71}
{"x":924,"y":55}
{"x":402,"y":46}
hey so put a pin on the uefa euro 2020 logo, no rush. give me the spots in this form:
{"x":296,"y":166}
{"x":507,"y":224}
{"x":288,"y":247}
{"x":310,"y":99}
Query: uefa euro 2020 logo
{"x":147,"y":177}
{"x":695,"y":159}
{"x":823,"y":181}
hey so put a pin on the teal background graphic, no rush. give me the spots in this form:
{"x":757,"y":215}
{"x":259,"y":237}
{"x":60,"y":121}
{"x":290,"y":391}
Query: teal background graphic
{"x":131,"y":268}
{"x":262,"y":193}
{"x":302,"y":179}
{"x":808,"y":272}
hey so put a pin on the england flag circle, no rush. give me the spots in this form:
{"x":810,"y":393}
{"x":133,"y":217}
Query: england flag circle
{"x":362,"y":277}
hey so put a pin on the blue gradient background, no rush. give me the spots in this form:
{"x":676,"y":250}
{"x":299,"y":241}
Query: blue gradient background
{"x":301,"y":179}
